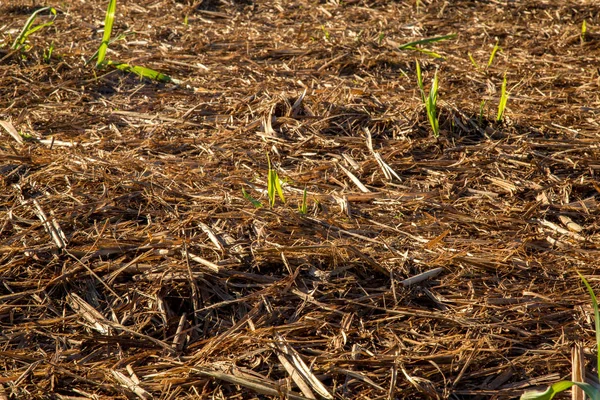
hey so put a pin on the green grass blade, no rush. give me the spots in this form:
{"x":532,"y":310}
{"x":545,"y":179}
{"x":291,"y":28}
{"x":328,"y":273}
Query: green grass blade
{"x":420,"y":82}
{"x":304,"y":206}
{"x":432,"y":106}
{"x":596,"y":319}
{"x":583,"y":31}
{"x":561,"y":386}
{"x":109,"y":19}
{"x":493,"y":54}
{"x":481,"y":111}
{"x":271,"y":183}
{"x":278,"y":188}
{"x":28,"y":30}
{"x":473,"y":61}
{"x":252,"y":200}
{"x":428,"y":52}
{"x":503,"y":101}
{"x":411,"y":45}
{"x":549,"y":393}
{"x":142,"y":72}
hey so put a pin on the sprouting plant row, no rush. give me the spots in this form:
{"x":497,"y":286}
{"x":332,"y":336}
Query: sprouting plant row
{"x":100,"y":55}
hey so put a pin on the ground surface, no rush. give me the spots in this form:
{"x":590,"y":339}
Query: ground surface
{"x":129,"y":252}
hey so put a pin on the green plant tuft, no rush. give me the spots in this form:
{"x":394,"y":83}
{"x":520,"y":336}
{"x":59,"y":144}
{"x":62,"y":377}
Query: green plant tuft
{"x":414,"y":45}
{"x":303,"y":208}
{"x":109,"y":20}
{"x":273,"y":185}
{"x":503,"y":100}
{"x":430,"y":101}
{"x":493,"y":54}
{"x":27,"y":30}
{"x":591,"y":391}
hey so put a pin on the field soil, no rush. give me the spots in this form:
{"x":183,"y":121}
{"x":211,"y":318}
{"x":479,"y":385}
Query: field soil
{"x":142,"y":257}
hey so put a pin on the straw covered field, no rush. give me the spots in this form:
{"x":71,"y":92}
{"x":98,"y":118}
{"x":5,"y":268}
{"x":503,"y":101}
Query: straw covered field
{"x":274,"y":217}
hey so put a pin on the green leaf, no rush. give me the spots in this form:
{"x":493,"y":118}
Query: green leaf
{"x":473,"y":61}
{"x":304,"y":206}
{"x":561,"y":386}
{"x":503,"y":100}
{"x":411,"y":45}
{"x":420,"y":82}
{"x":494,"y":50}
{"x":141,"y":71}
{"x":596,"y":319}
{"x":109,"y":19}
{"x":28,"y":30}
{"x":278,"y":187}
{"x":251,"y":199}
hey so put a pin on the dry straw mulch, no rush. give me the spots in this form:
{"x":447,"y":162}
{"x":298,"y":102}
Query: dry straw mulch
{"x":132,"y":266}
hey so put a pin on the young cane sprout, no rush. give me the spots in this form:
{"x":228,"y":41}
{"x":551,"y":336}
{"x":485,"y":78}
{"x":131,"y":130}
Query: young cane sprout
{"x":430,"y":101}
{"x":414,"y":45}
{"x":273,"y":185}
{"x":503,"y":100}
{"x":493,"y":54}
{"x":109,"y":20}
{"x":100,"y":54}
{"x":590,"y":390}
{"x":28,"y":29}
{"x":303,"y":208}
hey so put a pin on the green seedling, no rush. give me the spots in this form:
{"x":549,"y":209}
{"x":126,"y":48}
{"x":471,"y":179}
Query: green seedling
{"x":252,"y":200}
{"x":493,"y":54}
{"x":142,"y":72}
{"x":591,"y":391}
{"x":28,"y":29}
{"x":473,"y":61}
{"x":380,"y":38}
{"x":325,"y":32}
{"x":303,"y":208}
{"x":48,"y":53}
{"x":100,"y":54}
{"x":503,"y":100}
{"x":430,"y":101}
{"x":273,"y":185}
{"x":109,"y":20}
{"x":583,"y":31}
{"x":481,"y":111}
{"x":413,"y":45}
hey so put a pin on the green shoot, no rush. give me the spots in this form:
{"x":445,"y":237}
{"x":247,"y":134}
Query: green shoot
{"x":142,"y":72}
{"x":473,"y":61}
{"x":185,"y":20}
{"x":583,"y":31}
{"x":325,"y":32}
{"x":591,"y":391}
{"x":380,"y":38}
{"x":503,"y":100}
{"x":430,"y":101}
{"x":109,"y":19}
{"x":420,"y":82}
{"x":48,"y":53}
{"x":273,"y":185}
{"x":481,"y":111}
{"x":28,"y":30}
{"x":596,"y":320}
{"x":413,"y":45}
{"x":303,"y":208}
{"x":493,"y":54}
{"x":252,"y":200}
